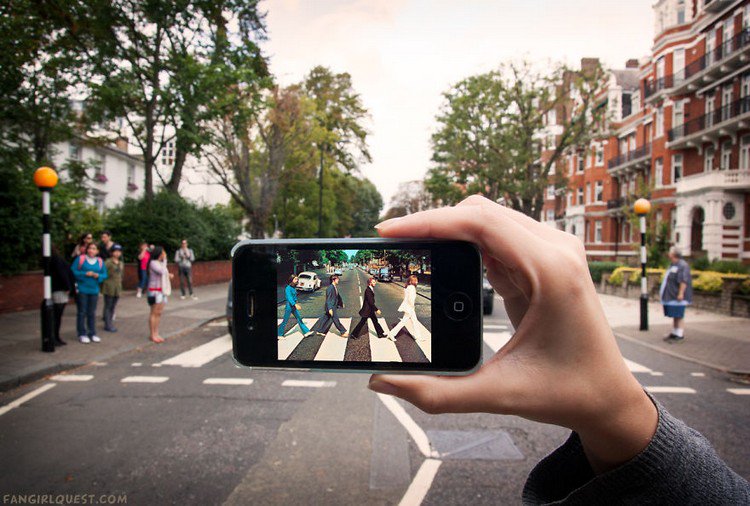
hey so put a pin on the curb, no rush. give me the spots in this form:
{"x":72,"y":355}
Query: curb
{"x":694,"y":360}
{"x":32,"y":376}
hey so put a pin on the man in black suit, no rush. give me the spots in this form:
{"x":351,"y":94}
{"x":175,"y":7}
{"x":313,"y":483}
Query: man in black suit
{"x":369,"y":310}
{"x":330,"y":315}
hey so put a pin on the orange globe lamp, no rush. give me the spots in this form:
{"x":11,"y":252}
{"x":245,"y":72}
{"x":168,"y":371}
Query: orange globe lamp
{"x":45,"y":178}
{"x":642,"y":207}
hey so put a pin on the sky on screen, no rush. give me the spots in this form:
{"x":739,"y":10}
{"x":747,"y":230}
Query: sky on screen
{"x":402,"y":54}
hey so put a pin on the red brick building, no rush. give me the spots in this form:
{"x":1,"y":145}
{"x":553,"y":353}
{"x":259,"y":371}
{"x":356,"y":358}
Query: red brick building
{"x":678,"y":129}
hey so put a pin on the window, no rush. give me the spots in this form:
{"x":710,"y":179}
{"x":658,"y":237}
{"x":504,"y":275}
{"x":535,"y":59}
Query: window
{"x":551,"y":191}
{"x":678,"y":113}
{"x":745,"y":88}
{"x":586,"y":234}
{"x":599,"y":154}
{"x":745,"y":153}
{"x":709,"y":108}
{"x":623,"y":146}
{"x":131,"y":174}
{"x":550,"y":215}
{"x":167,"y":154}
{"x":710,"y":47}
{"x":678,"y":64}
{"x":726,"y":99}
{"x":571,"y":163}
{"x":728,"y":32}
{"x":100,"y":168}
{"x":552,"y":117}
{"x":580,"y":162}
{"x":676,"y":168}
{"x":658,"y":172}
{"x":598,"y":191}
{"x":552,"y":168}
{"x":636,"y":100}
{"x":99,"y":201}
{"x":579,"y":196}
{"x":551,"y":141}
{"x":708,"y":159}
{"x":746,"y":17}
{"x":598,"y":231}
{"x":569,"y":199}
{"x":680,"y":12}
{"x":659,"y":122}
{"x":625,"y":237}
{"x":658,"y":216}
{"x":588,"y":193}
{"x":659,"y":73}
{"x":74,"y":152}
{"x":726,"y":155}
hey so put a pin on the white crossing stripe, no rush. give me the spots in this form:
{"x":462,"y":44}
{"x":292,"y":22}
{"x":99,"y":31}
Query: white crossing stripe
{"x":228,"y":381}
{"x":739,"y":391}
{"x":136,"y":364}
{"x":637,"y":368}
{"x":203,"y":354}
{"x":334,"y":346}
{"x":490,"y":326}
{"x":72,"y":377}
{"x":426,"y":342}
{"x":421,"y":483}
{"x":698,"y":374}
{"x":381,"y":348}
{"x":496,"y":340}
{"x":218,"y":324}
{"x":289,"y":342}
{"x":308,"y":383}
{"x":144,"y":379}
{"x":415,"y":431}
{"x":670,"y":390}
{"x":27,"y":397}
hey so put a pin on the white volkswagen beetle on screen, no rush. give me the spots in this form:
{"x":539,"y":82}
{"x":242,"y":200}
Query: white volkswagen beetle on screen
{"x":308,"y":281}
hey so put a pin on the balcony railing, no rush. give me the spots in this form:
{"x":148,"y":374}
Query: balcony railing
{"x":710,"y":119}
{"x":731,"y":46}
{"x":630,"y":156}
{"x":715,"y":5}
{"x":732,"y":179}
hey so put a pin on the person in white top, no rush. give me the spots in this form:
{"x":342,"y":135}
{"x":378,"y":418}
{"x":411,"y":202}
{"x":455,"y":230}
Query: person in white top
{"x":409,"y":320}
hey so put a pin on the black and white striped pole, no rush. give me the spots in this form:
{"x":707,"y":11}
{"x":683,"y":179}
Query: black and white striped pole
{"x":642,"y":208}
{"x":45,"y":179}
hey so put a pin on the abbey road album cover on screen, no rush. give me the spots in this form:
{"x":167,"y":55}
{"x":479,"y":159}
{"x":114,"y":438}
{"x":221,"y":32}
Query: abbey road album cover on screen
{"x":354,"y":305}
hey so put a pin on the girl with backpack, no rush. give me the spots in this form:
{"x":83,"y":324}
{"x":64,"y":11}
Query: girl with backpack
{"x":90,"y":272}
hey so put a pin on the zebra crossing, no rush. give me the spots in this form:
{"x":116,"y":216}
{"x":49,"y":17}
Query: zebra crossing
{"x":367,"y":348}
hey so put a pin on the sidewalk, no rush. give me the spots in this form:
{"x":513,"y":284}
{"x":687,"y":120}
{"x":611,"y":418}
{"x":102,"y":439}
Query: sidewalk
{"x":22,"y":361}
{"x":713,"y":340}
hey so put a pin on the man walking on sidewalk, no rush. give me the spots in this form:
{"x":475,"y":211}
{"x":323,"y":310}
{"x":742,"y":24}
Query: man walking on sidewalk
{"x":184,"y":257}
{"x":676,"y":293}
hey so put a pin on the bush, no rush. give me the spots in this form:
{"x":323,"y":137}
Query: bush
{"x":745,"y":287}
{"x":618,"y":275}
{"x":700,"y":264}
{"x":708,"y":281}
{"x":728,"y":266}
{"x":167,"y":219}
{"x":598,"y":268}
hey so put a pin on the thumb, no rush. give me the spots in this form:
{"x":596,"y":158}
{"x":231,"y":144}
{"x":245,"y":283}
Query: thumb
{"x":440,"y":394}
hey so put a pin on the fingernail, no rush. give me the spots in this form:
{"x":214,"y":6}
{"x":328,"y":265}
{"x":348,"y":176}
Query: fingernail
{"x":386,"y":222}
{"x":382,"y":387}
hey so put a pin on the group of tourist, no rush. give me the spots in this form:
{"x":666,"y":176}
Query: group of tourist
{"x":99,"y":269}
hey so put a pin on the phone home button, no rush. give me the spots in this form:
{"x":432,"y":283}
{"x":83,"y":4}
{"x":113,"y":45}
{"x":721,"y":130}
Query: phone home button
{"x":458,"y":306}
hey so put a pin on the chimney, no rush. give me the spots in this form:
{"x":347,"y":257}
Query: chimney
{"x":589,"y":63}
{"x":122,"y":143}
{"x":631,"y":63}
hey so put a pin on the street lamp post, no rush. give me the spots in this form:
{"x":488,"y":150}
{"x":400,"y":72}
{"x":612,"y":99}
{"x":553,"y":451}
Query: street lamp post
{"x":642,"y":208}
{"x":46,"y":179}
{"x":320,"y":195}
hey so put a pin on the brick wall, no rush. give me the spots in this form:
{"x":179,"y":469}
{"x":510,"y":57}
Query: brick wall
{"x":24,"y":291}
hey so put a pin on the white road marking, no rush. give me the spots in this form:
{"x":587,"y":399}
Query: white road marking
{"x":144,"y":379}
{"x":636,"y":368}
{"x":27,"y":397}
{"x":286,"y":346}
{"x":228,"y":381}
{"x":382,"y":349}
{"x":136,"y":364}
{"x":72,"y":377}
{"x":203,"y":354}
{"x":217,"y":324}
{"x":489,"y":326}
{"x":656,"y":373}
{"x":670,"y":390}
{"x":99,"y":364}
{"x":334,"y":346}
{"x":426,"y":343}
{"x":739,"y":391}
{"x":308,"y":383}
{"x":496,"y":340}
{"x":414,"y":430}
{"x":698,"y":374}
{"x":421,"y":483}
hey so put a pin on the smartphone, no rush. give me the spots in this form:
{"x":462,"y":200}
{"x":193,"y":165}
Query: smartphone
{"x":364,"y":305}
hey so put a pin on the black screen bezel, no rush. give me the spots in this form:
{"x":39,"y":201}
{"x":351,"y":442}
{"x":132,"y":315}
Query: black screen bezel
{"x":456,"y":267}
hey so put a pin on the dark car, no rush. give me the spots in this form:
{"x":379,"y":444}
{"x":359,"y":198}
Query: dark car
{"x":230,"y":318}
{"x":488,"y":296}
{"x":384,"y":275}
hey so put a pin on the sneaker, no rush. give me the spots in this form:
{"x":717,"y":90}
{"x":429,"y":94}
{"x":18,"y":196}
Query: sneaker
{"x":194,"y":297}
{"x":84,"y":339}
{"x":676,"y":338}
{"x":110,"y":329}
{"x":95,"y":339}
{"x":139,"y":293}
{"x":182,"y":297}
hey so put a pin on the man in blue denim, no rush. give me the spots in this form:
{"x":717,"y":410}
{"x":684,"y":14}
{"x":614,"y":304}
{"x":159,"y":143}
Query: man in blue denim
{"x":676,"y":294}
{"x":291,"y":308}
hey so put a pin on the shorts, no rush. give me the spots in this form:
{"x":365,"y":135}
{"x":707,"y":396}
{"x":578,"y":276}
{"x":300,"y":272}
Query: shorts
{"x":156,"y":298}
{"x":674,"y":311}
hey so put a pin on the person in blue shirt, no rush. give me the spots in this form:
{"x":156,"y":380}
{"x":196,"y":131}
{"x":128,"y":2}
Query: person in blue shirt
{"x":676,"y":293}
{"x":291,"y":308}
{"x":89,"y":272}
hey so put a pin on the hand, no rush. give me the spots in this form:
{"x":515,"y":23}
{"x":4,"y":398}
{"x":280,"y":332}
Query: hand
{"x":89,"y":274}
{"x":298,"y":307}
{"x":379,"y":312}
{"x":330,"y":312}
{"x":94,"y":275}
{"x":563,"y":365}
{"x":680,"y":296}
{"x":171,"y":276}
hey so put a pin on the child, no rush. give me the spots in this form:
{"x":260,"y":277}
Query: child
{"x":112,"y":286}
{"x":144,"y":255}
{"x":90,"y":272}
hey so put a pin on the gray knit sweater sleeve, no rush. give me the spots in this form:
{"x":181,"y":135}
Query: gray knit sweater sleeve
{"x":679,"y":466}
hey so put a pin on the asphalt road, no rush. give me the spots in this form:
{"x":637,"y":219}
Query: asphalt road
{"x":162,"y":426}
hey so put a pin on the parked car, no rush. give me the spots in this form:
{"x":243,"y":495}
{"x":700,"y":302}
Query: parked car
{"x":488,"y":296}
{"x":372,"y":272}
{"x":308,"y":281}
{"x":384,"y":275}
{"x":230,"y":317}
{"x":338,"y":272}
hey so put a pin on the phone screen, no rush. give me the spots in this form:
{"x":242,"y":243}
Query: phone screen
{"x":354,"y":305}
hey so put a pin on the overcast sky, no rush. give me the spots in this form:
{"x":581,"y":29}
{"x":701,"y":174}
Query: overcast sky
{"x":402,"y":54}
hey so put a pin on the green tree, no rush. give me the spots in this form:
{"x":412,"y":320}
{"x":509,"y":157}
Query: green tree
{"x":490,"y":130}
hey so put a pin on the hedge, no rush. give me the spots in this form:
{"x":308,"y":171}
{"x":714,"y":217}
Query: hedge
{"x":703,"y":281}
{"x":598,"y":268}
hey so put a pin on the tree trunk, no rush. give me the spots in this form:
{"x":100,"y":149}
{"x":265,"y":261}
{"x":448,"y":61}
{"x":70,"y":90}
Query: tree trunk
{"x":179,"y":162}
